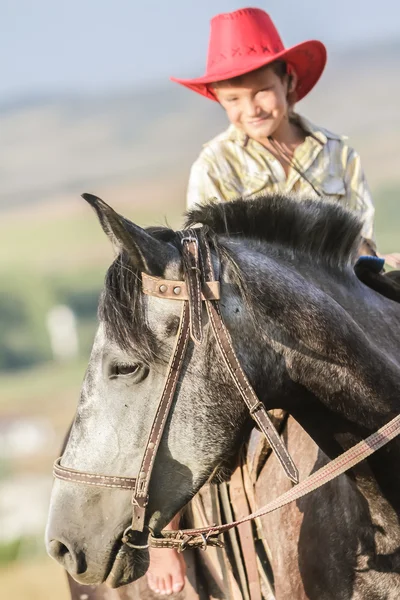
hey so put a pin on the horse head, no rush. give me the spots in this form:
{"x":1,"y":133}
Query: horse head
{"x":291,"y":302}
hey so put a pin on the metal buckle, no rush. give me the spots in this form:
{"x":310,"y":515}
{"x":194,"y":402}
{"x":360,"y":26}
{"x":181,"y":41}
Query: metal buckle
{"x":256,"y":407}
{"x":125,"y":540}
{"x":135,"y":502}
{"x":184,"y":540}
{"x":189,"y":238}
{"x":204,"y":545}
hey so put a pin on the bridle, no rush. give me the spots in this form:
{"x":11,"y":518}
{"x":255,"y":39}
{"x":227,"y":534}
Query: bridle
{"x":200,"y":286}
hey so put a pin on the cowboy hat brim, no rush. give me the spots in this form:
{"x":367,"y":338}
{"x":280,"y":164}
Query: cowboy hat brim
{"x":308,"y":60}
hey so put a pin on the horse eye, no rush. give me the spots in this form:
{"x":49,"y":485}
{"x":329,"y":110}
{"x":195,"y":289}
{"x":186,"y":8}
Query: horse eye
{"x":124,"y":369}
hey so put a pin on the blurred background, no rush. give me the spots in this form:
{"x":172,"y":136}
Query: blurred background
{"x":86,"y":105}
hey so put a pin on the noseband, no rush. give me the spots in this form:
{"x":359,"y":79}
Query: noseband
{"x":199,"y":286}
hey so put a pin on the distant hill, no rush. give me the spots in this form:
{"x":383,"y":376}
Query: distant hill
{"x":60,"y":144}
{"x":53,"y":145}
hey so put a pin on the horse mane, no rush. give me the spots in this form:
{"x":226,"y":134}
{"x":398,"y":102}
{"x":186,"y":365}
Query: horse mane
{"x":321,"y":229}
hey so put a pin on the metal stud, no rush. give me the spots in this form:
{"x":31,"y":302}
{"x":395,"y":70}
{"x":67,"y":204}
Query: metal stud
{"x":163,"y":288}
{"x":177,"y":290}
{"x":150,"y":445}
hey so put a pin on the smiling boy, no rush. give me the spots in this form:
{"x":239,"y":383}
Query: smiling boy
{"x":268,"y":147}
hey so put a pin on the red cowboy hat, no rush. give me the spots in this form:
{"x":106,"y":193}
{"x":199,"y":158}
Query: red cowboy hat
{"x":245,"y":40}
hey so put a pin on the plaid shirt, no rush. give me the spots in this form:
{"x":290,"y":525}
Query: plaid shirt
{"x":232,"y":165}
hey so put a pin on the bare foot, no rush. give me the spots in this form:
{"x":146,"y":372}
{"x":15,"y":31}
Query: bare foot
{"x":166,"y":573}
{"x":392,"y":259}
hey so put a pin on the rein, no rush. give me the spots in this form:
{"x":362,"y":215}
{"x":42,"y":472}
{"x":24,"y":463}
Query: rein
{"x":200,"y":286}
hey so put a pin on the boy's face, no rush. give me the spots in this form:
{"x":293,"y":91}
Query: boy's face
{"x":256,"y":102}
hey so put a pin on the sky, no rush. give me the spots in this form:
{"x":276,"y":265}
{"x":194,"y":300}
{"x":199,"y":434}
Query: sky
{"x":72,"y":45}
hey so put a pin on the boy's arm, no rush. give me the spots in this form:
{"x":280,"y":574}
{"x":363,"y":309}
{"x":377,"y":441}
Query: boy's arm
{"x":359,"y":196}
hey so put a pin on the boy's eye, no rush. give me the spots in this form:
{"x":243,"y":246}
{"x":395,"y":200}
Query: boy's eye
{"x":232,"y":99}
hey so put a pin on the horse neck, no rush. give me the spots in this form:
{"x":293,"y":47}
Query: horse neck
{"x":377,"y":476}
{"x":307,"y":332}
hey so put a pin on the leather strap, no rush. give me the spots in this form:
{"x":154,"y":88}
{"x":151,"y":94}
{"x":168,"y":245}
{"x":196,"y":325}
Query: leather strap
{"x":349,"y":459}
{"x":176,"y":290}
{"x":181,"y":541}
{"x":224,"y":342}
{"x":122,"y":483}
{"x":256,"y":408}
{"x":140,"y":495}
{"x":191,"y":320}
{"x":190,"y":256}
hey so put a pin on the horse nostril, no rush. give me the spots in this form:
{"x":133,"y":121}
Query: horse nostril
{"x":62,"y":550}
{"x":59,"y":551}
{"x":70,"y":560}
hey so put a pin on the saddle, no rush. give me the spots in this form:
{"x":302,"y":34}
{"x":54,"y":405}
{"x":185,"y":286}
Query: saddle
{"x":370,"y":270}
{"x":241,"y":570}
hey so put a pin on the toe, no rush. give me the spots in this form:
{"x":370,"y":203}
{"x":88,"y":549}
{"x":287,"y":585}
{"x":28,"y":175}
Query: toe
{"x":168,"y":585}
{"x":177,"y":586}
{"x":178,"y":575}
{"x":150,"y":581}
{"x":156,"y":587}
{"x":161,"y":586}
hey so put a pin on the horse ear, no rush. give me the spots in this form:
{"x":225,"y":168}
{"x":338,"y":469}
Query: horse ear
{"x":146,"y":253}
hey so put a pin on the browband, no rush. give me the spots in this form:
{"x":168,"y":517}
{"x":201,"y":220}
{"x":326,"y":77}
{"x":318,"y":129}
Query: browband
{"x":177,"y":290}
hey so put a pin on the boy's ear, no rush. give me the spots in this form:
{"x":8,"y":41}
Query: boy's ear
{"x":293,"y":80}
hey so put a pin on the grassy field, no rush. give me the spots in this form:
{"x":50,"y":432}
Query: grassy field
{"x":64,"y":234}
{"x":58,"y":254}
{"x":387,"y":220}
{"x":41,"y":579}
{"x":33,"y":389}
{"x":49,"y":391}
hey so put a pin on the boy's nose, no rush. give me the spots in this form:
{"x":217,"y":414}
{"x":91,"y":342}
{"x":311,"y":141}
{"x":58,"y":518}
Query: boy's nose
{"x":253,"y":110}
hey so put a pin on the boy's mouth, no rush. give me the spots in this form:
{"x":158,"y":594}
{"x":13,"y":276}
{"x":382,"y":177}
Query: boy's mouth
{"x":258,"y":121}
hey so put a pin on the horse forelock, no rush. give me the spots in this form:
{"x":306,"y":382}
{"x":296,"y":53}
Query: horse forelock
{"x":122,"y":306}
{"x":122,"y":310}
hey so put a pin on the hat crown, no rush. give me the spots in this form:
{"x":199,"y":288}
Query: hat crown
{"x":248,"y":32}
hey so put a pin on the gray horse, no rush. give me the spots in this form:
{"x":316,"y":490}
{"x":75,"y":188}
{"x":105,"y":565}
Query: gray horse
{"x":312,"y":339}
